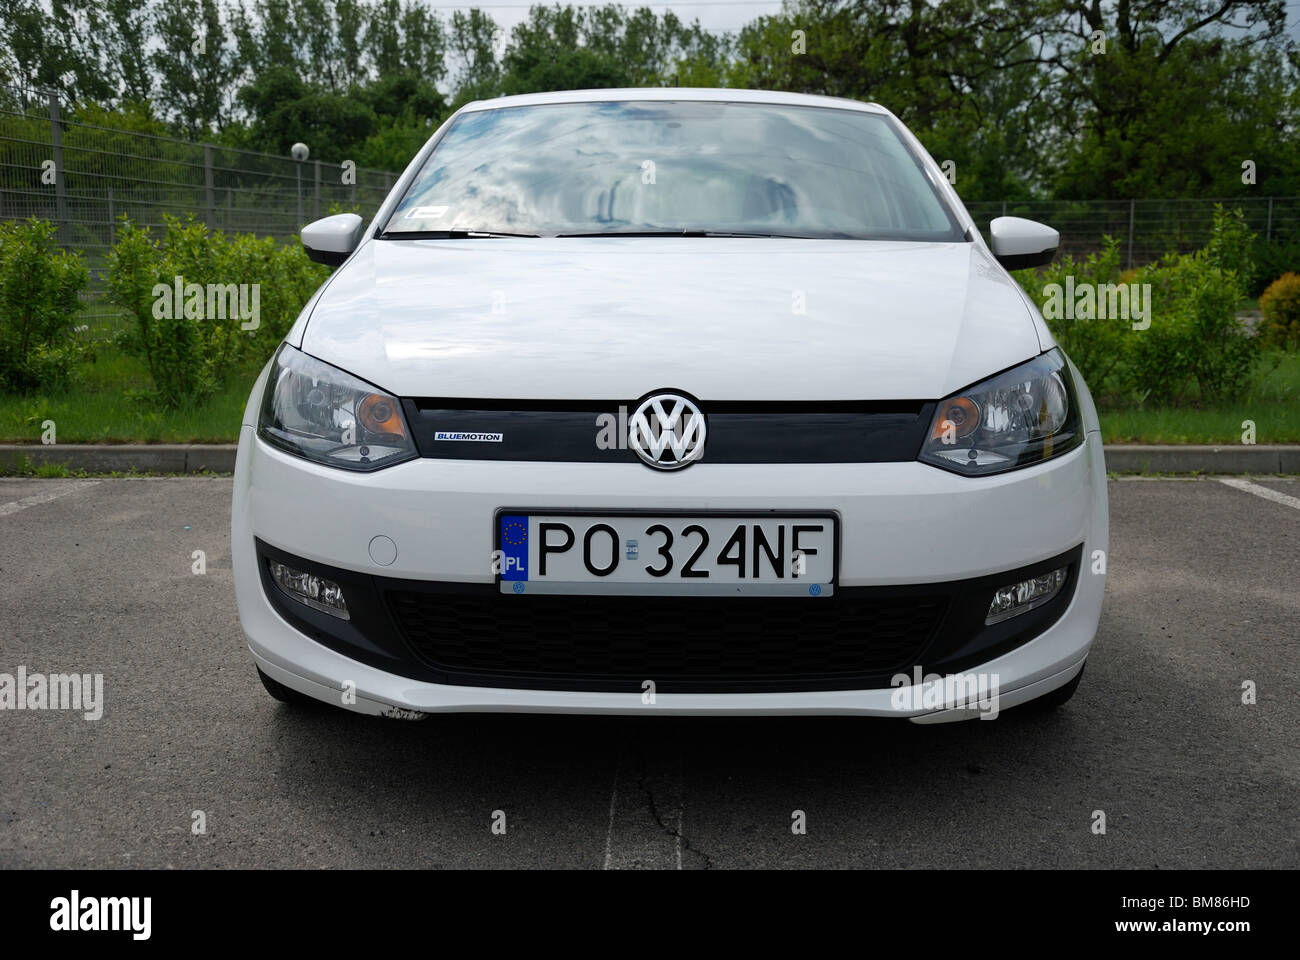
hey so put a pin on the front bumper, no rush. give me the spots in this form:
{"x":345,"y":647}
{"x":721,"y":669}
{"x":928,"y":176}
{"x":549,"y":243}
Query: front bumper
{"x":901,"y":523}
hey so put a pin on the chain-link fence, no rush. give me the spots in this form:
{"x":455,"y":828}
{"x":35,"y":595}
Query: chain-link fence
{"x":1146,"y":229}
{"x":84,"y":177}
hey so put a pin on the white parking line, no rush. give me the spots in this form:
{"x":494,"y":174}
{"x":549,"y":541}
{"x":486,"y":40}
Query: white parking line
{"x":681,"y":806}
{"x":45,"y":496}
{"x":613,"y":806}
{"x":1265,"y":492}
{"x":646,"y":813}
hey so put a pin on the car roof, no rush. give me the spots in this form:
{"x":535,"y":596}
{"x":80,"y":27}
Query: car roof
{"x":709,"y":94}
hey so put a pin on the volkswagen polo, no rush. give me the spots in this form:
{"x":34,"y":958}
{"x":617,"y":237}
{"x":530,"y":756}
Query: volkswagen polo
{"x":671,"y":401}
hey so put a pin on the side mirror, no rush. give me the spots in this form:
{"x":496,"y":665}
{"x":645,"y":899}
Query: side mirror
{"x":1019,"y":243}
{"x":331,"y":240}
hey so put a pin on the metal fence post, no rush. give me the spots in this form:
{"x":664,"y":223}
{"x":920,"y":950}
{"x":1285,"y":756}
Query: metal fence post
{"x":316,"y":197}
{"x":1268,"y":229}
{"x":56,"y":142}
{"x":111,"y":218}
{"x":1132,"y":205}
{"x":209,"y":185}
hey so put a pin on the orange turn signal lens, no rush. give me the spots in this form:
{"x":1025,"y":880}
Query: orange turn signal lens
{"x":379,"y":414}
{"x":960,"y":415}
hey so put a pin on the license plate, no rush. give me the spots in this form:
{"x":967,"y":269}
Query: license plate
{"x":670,"y":554}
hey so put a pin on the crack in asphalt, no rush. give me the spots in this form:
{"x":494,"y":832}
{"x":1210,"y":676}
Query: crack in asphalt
{"x":686,"y":843}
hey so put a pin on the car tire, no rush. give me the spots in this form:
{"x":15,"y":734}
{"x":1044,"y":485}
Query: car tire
{"x":1057,"y":698}
{"x":286,"y":694}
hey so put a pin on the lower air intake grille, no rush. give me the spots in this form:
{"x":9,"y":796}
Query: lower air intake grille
{"x":682,"y":643}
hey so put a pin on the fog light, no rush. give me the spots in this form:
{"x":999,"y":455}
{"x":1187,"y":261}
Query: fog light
{"x":1017,"y":598}
{"x":316,"y":592}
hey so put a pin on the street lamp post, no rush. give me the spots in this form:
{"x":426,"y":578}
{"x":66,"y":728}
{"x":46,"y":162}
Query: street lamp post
{"x":299,"y":152}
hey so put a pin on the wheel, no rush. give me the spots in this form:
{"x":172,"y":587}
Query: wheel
{"x":1058,"y":697}
{"x":286,"y":694}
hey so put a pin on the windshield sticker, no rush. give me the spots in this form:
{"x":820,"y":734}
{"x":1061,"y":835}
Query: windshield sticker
{"x":425,"y":213}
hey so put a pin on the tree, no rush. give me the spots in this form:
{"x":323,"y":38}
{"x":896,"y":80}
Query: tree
{"x":284,"y":109}
{"x":963,"y":75}
{"x":321,"y":59}
{"x":349,"y":23}
{"x":405,"y":94}
{"x":547,"y":52}
{"x":23,"y":43}
{"x":384,"y":37}
{"x":1022,"y":97}
{"x":572,"y":48}
{"x":125,"y":42}
{"x":195,"y":65}
{"x":1167,"y":109}
{"x":473,"y":40}
{"x":424,"y":43}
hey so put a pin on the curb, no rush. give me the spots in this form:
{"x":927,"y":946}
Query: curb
{"x":123,"y":457}
{"x":220,"y":458}
{"x":1197,"y":458}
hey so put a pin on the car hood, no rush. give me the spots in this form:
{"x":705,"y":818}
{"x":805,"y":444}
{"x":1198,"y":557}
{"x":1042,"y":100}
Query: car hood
{"x":718,"y":318}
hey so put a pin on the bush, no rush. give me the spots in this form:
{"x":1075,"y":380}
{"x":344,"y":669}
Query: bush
{"x":1272,"y":260}
{"x":1280,"y":304}
{"x":1194,"y":348}
{"x":167,"y":341}
{"x":1195,"y":336}
{"x":1097,"y":347}
{"x":39,"y":284}
{"x":238,"y":296}
{"x":1232,"y":246}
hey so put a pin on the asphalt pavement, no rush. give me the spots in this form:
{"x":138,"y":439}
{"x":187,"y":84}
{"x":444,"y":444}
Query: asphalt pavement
{"x":98,"y":576}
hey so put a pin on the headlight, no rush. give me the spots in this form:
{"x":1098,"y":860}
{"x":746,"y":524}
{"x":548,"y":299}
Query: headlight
{"x":1023,"y":416}
{"x":319,"y":412}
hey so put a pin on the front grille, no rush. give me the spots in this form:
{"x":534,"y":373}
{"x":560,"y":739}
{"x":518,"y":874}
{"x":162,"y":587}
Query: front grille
{"x":684,"y":643}
{"x":876,"y":431}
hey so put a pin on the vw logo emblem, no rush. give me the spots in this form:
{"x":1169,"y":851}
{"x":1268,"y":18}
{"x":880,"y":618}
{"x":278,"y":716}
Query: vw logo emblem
{"x":667,"y":431}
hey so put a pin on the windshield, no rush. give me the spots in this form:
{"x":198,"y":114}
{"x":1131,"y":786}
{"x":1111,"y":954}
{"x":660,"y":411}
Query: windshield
{"x":688,"y":168}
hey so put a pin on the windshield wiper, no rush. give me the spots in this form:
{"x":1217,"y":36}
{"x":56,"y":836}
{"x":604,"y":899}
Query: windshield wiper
{"x":453,"y":234}
{"x":462,"y":234}
{"x":671,"y":233}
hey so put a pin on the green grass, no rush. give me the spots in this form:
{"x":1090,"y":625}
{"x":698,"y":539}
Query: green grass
{"x":48,"y":470}
{"x":1273,"y":402}
{"x":102,"y":406}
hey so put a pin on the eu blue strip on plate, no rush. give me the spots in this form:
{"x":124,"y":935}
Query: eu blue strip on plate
{"x":514,"y":547}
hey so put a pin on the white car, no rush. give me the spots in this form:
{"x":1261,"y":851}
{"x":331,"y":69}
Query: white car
{"x":671,"y":401}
